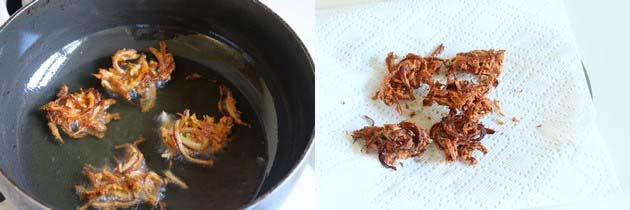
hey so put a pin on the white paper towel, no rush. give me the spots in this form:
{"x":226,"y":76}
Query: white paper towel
{"x":561,"y":161}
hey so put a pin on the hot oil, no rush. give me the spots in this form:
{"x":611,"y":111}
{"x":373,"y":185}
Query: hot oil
{"x":239,"y":170}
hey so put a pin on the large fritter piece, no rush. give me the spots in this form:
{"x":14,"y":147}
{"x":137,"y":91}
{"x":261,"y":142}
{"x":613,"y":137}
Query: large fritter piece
{"x":128,"y":184}
{"x":394,"y":141}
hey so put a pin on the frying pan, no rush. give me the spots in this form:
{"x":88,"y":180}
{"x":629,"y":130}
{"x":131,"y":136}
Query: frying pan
{"x":241,"y":44}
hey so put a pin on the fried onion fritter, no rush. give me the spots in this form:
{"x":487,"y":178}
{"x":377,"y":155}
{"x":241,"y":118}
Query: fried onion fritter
{"x":394,"y":141}
{"x":79,"y":114}
{"x":458,"y":136}
{"x":406,"y":76}
{"x":195,"y":139}
{"x":485,"y":64}
{"x":132,"y":76}
{"x":128,"y":184}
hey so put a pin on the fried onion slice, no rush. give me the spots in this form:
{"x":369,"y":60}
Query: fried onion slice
{"x":79,"y":114}
{"x":195,"y":139}
{"x":172,"y":178}
{"x":128,"y":184}
{"x":394,"y":141}
{"x":227,"y":106}
{"x":132,"y":76}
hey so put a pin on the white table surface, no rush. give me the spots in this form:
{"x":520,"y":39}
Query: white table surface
{"x":603,"y":36}
{"x":300,"y":15}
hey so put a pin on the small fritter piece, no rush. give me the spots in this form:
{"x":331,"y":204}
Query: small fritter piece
{"x":485,"y":64}
{"x":196,"y":140}
{"x":458,"y":136}
{"x":131,"y":75}
{"x":227,"y":106}
{"x":166,"y":63}
{"x":128,"y":184}
{"x":394,"y":141}
{"x":79,"y":114}
{"x":460,"y":95}
{"x":406,"y":76}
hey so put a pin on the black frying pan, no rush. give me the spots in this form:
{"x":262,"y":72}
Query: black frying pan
{"x":241,"y":44}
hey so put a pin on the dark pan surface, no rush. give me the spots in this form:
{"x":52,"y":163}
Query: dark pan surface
{"x":240,"y":43}
{"x":231,"y":183}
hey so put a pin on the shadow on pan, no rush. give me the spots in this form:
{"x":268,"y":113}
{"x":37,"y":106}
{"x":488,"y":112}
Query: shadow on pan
{"x":239,"y":43}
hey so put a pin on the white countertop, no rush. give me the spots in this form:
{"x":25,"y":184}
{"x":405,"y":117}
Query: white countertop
{"x":603,"y":36}
{"x":602,"y":33}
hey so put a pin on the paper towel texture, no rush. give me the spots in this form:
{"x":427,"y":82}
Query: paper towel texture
{"x":553,"y":155}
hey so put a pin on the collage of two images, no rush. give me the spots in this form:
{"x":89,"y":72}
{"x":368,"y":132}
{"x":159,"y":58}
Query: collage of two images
{"x":312,"y":104}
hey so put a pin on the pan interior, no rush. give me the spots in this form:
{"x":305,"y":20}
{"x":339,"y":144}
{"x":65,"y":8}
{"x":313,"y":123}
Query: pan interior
{"x":52,"y":169}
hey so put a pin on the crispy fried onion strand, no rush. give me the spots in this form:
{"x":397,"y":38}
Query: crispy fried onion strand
{"x":406,"y":76}
{"x":192,"y":137}
{"x":227,"y":106}
{"x":131,"y":75}
{"x":128,"y":184}
{"x":79,"y":114}
{"x":394,"y":141}
{"x":174,"y":179}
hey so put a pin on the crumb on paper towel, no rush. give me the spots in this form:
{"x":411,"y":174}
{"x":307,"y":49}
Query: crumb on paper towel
{"x":369,"y":119}
{"x":497,"y":108}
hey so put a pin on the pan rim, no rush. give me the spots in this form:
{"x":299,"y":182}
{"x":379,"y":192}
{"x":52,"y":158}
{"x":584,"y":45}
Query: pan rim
{"x":309,"y":144}
{"x":283,"y":181}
